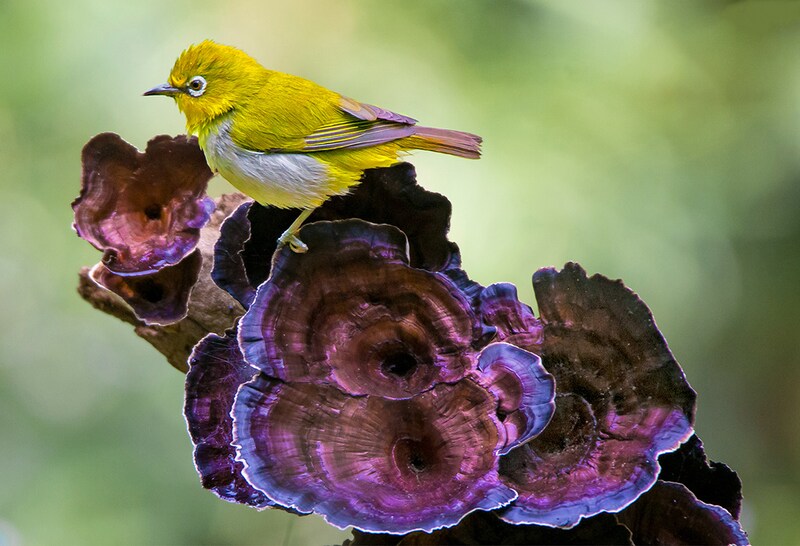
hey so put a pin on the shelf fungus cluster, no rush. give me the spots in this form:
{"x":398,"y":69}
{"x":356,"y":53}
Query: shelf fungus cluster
{"x":144,"y":211}
{"x":372,"y":382}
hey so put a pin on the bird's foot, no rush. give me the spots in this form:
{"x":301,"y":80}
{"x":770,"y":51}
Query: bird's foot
{"x":290,"y":238}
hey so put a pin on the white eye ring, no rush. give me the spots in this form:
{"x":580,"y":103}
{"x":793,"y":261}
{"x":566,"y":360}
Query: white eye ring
{"x":196,"y":86}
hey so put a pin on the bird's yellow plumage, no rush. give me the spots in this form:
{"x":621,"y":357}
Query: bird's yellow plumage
{"x":284,"y":140}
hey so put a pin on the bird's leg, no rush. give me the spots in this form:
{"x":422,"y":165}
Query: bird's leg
{"x":290,"y":235}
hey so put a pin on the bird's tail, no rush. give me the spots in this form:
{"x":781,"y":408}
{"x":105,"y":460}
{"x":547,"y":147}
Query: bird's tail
{"x":446,"y":141}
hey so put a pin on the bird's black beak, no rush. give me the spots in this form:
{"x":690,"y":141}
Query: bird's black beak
{"x":163,"y":89}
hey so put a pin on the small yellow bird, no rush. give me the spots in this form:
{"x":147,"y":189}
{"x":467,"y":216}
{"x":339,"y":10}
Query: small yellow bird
{"x":284,"y":140}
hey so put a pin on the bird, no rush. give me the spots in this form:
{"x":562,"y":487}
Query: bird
{"x":286,"y":141}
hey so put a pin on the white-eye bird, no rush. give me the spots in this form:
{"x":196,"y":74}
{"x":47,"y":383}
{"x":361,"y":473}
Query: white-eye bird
{"x":286,"y":141}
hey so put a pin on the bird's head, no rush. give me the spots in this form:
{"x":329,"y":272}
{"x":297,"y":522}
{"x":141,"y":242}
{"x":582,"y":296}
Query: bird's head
{"x":210,"y":79}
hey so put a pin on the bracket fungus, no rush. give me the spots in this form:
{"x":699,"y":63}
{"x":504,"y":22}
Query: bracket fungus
{"x":691,"y":521}
{"x":622,"y":400}
{"x":524,"y":390}
{"x":144,"y":211}
{"x":161,"y":297}
{"x":215,"y":373}
{"x":355,"y":314}
{"x":229,"y":271}
{"x":711,"y":482}
{"x":384,"y":464}
{"x":371,"y":462}
{"x":376,"y":463}
{"x":393,"y":418}
{"x":514,"y":321}
{"x":372,"y":382}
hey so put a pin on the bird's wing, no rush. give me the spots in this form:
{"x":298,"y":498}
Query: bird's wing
{"x":369,"y":112}
{"x":360,"y":126}
{"x":356,"y":134}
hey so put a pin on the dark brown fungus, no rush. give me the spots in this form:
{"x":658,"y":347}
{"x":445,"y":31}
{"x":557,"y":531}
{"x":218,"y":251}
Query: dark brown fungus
{"x":229,"y":271}
{"x":392,"y":196}
{"x":486,"y":529}
{"x":670,"y":514}
{"x":711,"y":482}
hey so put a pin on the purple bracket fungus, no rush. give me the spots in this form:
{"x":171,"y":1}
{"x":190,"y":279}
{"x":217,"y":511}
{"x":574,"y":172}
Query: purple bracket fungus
{"x":215,"y":373}
{"x":670,"y":514}
{"x":385,"y":196}
{"x":372,"y":382}
{"x":377,"y":464}
{"x":354,"y":314}
{"x":144,"y":211}
{"x":524,"y":390}
{"x":622,"y":400}
{"x":156,"y":298}
{"x":514,"y":320}
{"x":379,"y":404}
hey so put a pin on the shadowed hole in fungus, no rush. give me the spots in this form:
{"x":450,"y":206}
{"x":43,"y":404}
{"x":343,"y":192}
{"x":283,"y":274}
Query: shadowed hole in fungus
{"x":416,"y":463}
{"x":415,"y":456}
{"x":399,"y":364}
{"x":109,"y":257}
{"x":153,"y":212}
{"x":150,"y":290}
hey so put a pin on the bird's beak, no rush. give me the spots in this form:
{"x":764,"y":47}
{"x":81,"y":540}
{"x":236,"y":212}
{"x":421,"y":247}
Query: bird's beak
{"x":163,"y":89}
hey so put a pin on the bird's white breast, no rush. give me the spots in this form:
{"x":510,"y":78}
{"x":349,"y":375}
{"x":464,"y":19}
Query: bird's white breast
{"x":279,"y":179}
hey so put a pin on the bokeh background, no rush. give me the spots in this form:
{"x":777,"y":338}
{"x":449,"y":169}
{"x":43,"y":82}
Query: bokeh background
{"x":657,"y":142}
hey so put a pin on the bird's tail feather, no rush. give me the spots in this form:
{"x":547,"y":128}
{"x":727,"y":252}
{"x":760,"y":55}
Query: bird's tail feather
{"x":447,"y":142}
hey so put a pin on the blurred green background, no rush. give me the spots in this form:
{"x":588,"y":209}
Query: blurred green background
{"x":651,"y":141}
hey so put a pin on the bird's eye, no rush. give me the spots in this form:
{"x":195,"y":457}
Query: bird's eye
{"x":196,"y":86}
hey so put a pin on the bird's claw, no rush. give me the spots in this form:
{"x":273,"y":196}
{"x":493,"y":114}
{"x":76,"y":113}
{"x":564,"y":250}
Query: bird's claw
{"x":294,"y":243}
